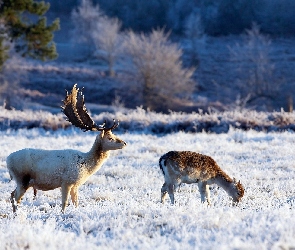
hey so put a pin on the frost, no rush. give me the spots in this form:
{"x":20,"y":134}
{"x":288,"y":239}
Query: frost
{"x":119,"y":207}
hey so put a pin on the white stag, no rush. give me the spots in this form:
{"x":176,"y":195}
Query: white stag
{"x":68,"y":168}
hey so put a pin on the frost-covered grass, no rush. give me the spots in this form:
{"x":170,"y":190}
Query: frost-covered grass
{"x":152,"y":122}
{"x":120,"y":205}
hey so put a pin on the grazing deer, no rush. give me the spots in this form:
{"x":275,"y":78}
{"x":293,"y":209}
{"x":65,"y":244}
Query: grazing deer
{"x":190,"y":167}
{"x":68,"y":168}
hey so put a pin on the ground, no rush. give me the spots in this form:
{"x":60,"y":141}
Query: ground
{"x":119,"y":206}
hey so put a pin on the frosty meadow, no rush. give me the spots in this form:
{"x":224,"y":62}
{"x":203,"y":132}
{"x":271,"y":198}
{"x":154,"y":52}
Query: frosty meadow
{"x":120,"y":205}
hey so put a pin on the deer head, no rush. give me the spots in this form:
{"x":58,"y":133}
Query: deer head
{"x":75,"y":110}
{"x":239,"y":190}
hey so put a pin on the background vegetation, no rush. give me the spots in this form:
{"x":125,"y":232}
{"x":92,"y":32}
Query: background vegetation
{"x":162,"y":55}
{"x":219,"y":17}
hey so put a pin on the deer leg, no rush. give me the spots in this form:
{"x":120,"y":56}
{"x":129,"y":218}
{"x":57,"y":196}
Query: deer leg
{"x":204,"y":191}
{"x":74,"y":196}
{"x":32,"y":184}
{"x":208,"y":194}
{"x":171,"y":188}
{"x":35,"y":193}
{"x":65,"y":192}
{"x":19,"y":193}
{"x":164,"y":191}
{"x":12,"y":200}
{"x":16,"y":195}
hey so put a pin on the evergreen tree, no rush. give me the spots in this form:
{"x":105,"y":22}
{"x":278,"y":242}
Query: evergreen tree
{"x":23,"y":24}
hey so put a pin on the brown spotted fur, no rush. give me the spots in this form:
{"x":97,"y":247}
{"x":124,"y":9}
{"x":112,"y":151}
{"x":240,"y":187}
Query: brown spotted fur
{"x":191,"y":167}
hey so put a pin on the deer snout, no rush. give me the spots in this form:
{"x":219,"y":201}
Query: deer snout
{"x":124,"y":143}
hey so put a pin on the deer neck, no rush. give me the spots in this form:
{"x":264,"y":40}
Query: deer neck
{"x":96,"y":156}
{"x":224,"y":181}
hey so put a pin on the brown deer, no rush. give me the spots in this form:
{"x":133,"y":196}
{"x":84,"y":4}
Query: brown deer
{"x":190,"y":167}
{"x":68,"y":168}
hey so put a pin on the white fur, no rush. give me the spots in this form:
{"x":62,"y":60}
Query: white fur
{"x":50,"y":169}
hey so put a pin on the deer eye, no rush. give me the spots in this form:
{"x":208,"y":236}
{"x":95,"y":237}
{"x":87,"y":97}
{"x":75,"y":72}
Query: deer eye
{"x":110,"y":139}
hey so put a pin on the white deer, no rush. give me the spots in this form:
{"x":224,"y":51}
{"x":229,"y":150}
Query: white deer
{"x":190,"y":167}
{"x":68,"y":168}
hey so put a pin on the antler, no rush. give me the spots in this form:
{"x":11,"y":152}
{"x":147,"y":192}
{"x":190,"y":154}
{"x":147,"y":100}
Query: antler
{"x":113,"y":126}
{"x":74,"y":108}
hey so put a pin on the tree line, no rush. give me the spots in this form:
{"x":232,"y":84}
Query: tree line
{"x":219,"y":17}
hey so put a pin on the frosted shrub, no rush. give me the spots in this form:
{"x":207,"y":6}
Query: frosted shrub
{"x":85,"y":17}
{"x":4,"y":43}
{"x":10,"y":77}
{"x":93,"y":27}
{"x":158,"y":68}
{"x":254,"y":67}
{"x":194,"y":32}
{"x":106,"y":38}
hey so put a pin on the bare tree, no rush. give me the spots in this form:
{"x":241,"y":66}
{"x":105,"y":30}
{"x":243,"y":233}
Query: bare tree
{"x":158,"y":68}
{"x":4,"y":43}
{"x":11,"y":75}
{"x":85,"y":17}
{"x":194,"y":32}
{"x":8,"y":75}
{"x":254,"y":67}
{"x":99,"y":31}
{"x":106,"y":38}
